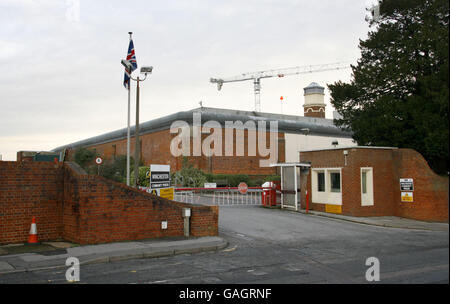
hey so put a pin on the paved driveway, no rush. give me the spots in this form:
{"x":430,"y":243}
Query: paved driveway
{"x":338,"y":246}
{"x":274,"y":246}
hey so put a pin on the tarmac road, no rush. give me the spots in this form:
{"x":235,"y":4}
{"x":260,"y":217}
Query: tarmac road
{"x":274,"y":246}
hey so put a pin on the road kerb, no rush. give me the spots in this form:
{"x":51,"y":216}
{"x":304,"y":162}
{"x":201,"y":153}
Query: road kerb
{"x":129,"y":256}
{"x":126,"y":257}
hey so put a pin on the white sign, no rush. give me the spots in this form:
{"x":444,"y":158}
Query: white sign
{"x":159,"y":176}
{"x":406,"y":184}
{"x":160,"y":168}
{"x":210,"y":185}
{"x":98,"y":160}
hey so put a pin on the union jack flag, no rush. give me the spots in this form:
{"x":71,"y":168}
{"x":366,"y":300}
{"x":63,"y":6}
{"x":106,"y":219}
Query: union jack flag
{"x":131,"y":57}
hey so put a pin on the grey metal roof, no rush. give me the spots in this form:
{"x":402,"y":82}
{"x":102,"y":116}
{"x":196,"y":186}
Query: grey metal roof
{"x":286,"y":124}
{"x":314,"y":87}
{"x":352,"y":147}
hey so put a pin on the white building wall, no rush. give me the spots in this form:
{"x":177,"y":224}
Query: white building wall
{"x":296,"y":143}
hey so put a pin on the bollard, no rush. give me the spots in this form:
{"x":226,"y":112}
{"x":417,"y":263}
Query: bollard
{"x":186,"y":216}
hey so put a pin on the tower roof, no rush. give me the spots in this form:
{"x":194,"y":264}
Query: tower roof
{"x":314,"y":87}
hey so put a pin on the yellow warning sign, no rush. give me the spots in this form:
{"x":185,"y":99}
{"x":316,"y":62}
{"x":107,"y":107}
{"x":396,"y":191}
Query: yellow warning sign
{"x":333,"y":208}
{"x":167,"y":193}
{"x":407,"y":197}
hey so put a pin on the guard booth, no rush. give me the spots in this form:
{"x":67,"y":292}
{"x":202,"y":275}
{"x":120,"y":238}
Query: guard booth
{"x":290,"y":184}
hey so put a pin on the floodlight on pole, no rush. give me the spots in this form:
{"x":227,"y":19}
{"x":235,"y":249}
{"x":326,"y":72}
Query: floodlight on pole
{"x":127,"y":64}
{"x":144,"y":70}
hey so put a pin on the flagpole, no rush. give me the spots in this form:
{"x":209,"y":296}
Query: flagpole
{"x":128,"y":126}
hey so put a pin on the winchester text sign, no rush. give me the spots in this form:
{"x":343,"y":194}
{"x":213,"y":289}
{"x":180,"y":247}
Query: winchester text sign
{"x":406,"y":184}
{"x":159,"y":176}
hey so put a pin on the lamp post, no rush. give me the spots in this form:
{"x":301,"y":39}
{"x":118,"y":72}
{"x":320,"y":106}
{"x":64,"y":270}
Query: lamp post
{"x":144,"y":70}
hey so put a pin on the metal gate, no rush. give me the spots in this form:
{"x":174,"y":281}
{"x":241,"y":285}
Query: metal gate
{"x":226,"y":196}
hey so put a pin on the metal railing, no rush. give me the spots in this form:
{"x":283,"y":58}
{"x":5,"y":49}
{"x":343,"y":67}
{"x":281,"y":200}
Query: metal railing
{"x":224,"y":196}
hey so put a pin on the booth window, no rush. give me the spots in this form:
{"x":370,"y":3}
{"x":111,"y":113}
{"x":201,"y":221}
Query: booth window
{"x":335,"y":181}
{"x":321,"y":181}
{"x":364,"y":181}
{"x":326,"y":186}
{"x":367,"y":187}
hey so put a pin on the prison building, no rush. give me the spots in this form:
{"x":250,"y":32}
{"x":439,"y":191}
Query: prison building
{"x":294,"y":134}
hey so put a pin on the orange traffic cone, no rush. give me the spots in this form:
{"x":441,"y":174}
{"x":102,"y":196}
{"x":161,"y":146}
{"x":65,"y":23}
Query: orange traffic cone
{"x":33,"y":238}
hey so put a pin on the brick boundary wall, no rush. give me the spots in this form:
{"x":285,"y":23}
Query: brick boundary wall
{"x":431,"y":191}
{"x":87,"y":209}
{"x":30,"y":189}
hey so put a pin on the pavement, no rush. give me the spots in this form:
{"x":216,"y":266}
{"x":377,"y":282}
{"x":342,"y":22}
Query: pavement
{"x":385,"y":221}
{"x":105,"y":253}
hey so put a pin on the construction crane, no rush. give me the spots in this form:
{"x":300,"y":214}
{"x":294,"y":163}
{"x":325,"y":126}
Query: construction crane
{"x":257,"y":76}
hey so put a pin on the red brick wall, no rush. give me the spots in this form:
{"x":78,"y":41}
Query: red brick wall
{"x":317,"y":111}
{"x":98,"y":211}
{"x":430,"y":190}
{"x":30,"y":189}
{"x":87,"y":209}
{"x":155,"y":149}
{"x":389,"y":165}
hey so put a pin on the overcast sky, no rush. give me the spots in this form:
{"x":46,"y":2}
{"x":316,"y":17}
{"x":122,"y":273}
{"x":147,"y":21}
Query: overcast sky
{"x":61,"y":77}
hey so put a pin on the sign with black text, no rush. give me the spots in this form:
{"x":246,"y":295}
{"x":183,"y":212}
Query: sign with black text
{"x":406,"y":184}
{"x":159,"y":176}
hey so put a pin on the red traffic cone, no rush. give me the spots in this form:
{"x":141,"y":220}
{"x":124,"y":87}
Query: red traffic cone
{"x":33,"y":238}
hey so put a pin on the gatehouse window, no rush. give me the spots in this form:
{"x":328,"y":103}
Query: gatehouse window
{"x":335,"y":181}
{"x":321,"y":181}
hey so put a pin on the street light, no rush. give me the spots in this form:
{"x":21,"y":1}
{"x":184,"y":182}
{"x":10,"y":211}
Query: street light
{"x":127,"y":64}
{"x":144,"y":70}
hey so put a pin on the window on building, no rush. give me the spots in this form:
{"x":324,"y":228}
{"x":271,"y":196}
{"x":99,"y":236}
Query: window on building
{"x":326,"y":186}
{"x":364,"y":182}
{"x":321,"y":181}
{"x":335,"y":182}
{"x":367,"y":187}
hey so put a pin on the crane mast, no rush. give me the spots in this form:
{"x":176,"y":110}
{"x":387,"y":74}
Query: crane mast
{"x":257,"y":76}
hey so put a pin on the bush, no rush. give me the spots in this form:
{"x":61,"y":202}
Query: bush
{"x":272,"y":178}
{"x":189,"y":176}
{"x":85,"y":157}
{"x":116,"y":170}
{"x":227,"y":180}
{"x":143,"y":180}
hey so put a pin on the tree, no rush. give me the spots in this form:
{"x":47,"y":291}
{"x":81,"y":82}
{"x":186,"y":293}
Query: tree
{"x":116,"y":169}
{"x":84,"y":157}
{"x":398,"y":94}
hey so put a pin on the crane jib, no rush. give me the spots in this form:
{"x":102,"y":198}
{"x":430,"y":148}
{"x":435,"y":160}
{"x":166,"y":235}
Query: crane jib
{"x":256,"y":76}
